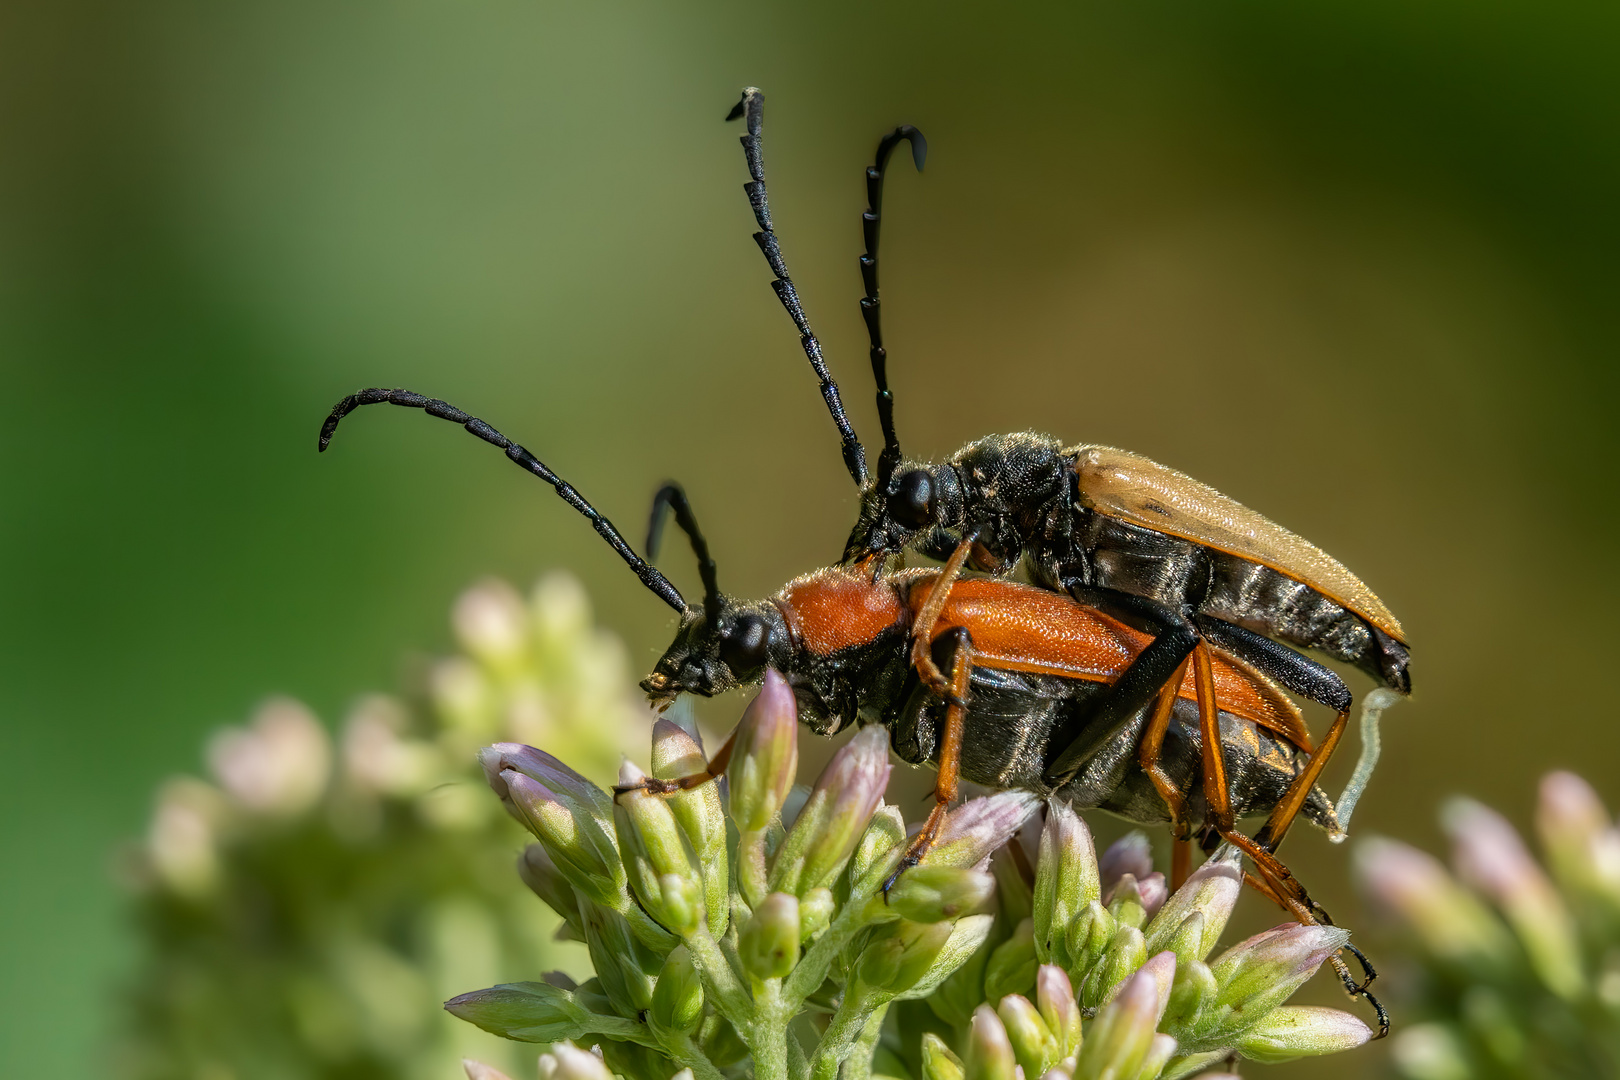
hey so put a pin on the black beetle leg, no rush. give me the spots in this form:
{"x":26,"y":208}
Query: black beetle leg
{"x":1293,"y":670}
{"x":1077,"y":738}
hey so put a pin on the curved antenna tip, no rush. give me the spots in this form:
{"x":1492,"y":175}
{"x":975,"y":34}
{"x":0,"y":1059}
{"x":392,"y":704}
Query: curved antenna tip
{"x":919,"y":147}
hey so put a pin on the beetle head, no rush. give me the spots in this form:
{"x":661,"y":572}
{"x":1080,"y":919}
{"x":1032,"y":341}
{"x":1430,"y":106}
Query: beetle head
{"x":720,"y":648}
{"x":907,"y":509}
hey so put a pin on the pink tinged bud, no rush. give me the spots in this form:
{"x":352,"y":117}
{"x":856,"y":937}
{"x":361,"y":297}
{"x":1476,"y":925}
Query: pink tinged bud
{"x":989,"y":1051}
{"x":1582,"y":844}
{"x":1491,"y":857}
{"x":1291,"y":1031}
{"x":543,"y":878}
{"x":980,"y":826}
{"x":477,"y":1070}
{"x":278,"y":765}
{"x":1054,"y":996}
{"x":1130,"y":854}
{"x":491,"y":624}
{"x":1413,"y":886}
{"x":1067,"y":882}
{"x":769,"y":944}
{"x":1122,"y":1034}
{"x":567,"y":786}
{"x":765,"y":755}
{"x":578,"y":843}
{"x":1257,"y":975}
{"x":1212,"y":891}
{"x":1034,"y":1046}
{"x":826,"y":831}
{"x":1127,"y":904}
{"x":576,"y":1064}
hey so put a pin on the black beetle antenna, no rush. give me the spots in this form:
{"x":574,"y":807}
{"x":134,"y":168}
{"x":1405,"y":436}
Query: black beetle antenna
{"x":650,"y":577}
{"x":871,"y":222}
{"x":752,"y":107}
{"x":673,"y":497}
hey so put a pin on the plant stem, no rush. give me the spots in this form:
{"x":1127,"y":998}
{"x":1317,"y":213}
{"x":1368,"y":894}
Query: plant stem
{"x":730,"y":998}
{"x":858,"y":1064}
{"x":770,"y":1035}
{"x":842,"y":1032}
{"x":685,"y":1053}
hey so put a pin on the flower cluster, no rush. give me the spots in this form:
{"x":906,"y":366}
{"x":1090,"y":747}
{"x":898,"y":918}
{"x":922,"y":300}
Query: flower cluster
{"x":1518,"y":968}
{"x":745,"y":930}
{"x":305,"y":912}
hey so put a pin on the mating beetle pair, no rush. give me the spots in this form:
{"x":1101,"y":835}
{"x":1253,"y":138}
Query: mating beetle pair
{"x":1141,"y":677}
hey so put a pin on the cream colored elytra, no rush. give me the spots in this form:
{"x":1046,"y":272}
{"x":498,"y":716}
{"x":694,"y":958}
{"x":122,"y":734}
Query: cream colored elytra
{"x":1123,"y":485}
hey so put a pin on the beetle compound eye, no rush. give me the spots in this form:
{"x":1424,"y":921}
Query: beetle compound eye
{"x":746,"y":644}
{"x":913,"y":502}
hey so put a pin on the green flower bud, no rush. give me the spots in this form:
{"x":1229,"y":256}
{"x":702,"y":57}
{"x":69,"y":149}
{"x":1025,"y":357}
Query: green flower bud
{"x":816,"y":910}
{"x":1054,"y":996}
{"x":932,"y":893}
{"x":527,"y":1011}
{"x":1066,"y":884}
{"x":883,"y":836}
{"x":1011,"y":968}
{"x":879,"y":963}
{"x":938,"y":1063}
{"x":677,"y":1002}
{"x":1089,"y":936}
{"x":1258,"y":974}
{"x":769,"y":944}
{"x":1160,"y":1051}
{"x":1212,"y":891}
{"x":826,"y":831}
{"x":1125,"y":955}
{"x":1291,"y":1031}
{"x":1034,"y":1045}
{"x":936,"y":951}
{"x":655,"y":848}
{"x":1121,"y":1036}
{"x":622,"y":963}
{"x":764,"y":756}
{"x":989,"y":1052}
{"x":1126,"y":905}
{"x":1191,"y":994}
{"x":676,"y":754}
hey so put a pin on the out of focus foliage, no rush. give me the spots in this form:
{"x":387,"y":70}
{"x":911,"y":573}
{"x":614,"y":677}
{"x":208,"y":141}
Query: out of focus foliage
{"x":306,"y":911}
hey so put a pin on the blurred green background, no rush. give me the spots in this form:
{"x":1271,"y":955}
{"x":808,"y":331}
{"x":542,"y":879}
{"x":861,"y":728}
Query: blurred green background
{"x":1352,"y":263}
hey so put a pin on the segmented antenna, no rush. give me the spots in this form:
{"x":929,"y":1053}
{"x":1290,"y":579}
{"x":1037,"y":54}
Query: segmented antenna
{"x":871,"y":311}
{"x":673,"y":497}
{"x":650,"y":577}
{"x":752,"y":107}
